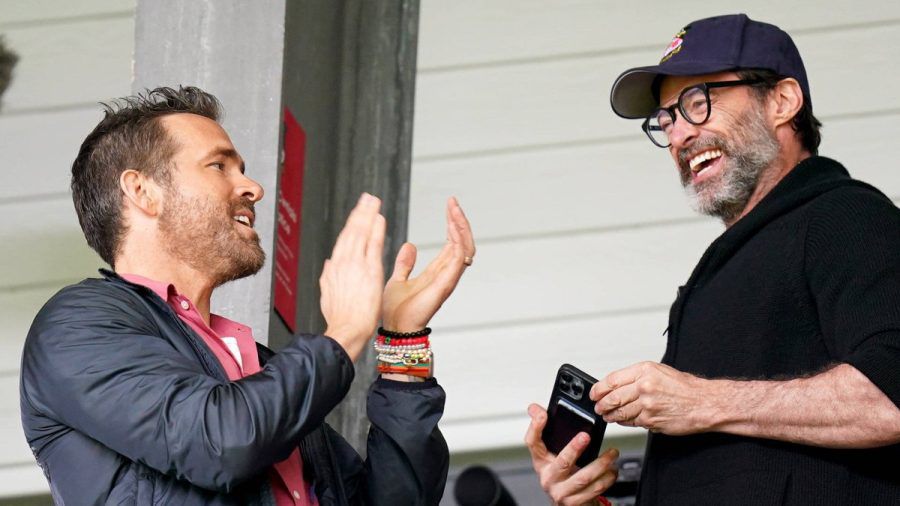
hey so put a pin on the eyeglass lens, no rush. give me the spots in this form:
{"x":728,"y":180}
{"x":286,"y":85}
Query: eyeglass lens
{"x":694,"y":106}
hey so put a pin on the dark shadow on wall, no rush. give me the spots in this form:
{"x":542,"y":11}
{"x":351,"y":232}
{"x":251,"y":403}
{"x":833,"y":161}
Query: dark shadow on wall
{"x":8,"y":60}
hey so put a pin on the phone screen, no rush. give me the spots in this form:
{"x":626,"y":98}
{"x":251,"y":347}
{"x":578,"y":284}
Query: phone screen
{"x":566,"y":420}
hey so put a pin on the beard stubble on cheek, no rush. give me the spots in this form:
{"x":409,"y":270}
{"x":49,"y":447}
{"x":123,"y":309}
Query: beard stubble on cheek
{"x":748,"y":153}
{"x":204,"y":234}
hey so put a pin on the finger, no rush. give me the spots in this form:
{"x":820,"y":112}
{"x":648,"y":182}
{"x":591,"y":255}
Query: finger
{"x":353,"y":237}
{"x":405,"y":262}
{"x":448,"y":277}
{"x":453,"y":234}
{"x":591,"y":480}
{"x":375,"y":244}
{"x":591,"y":490}
{"x":533,"y":435}
{"x":625,"y":415}
{"x":614,"y":380}
{"x":564,"y":464}
{"x":462,"y":226}
{"x":617,"y":398}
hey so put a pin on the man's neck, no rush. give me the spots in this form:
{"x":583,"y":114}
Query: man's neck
{"x":189,"y":282}
{"x":770,"y":178}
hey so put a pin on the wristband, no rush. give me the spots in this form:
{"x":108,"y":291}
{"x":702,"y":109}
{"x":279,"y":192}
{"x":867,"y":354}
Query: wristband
{"x":390,"y":333}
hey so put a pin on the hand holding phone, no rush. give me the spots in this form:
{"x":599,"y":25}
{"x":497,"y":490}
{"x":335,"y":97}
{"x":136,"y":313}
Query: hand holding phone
{"x":570,"y":412}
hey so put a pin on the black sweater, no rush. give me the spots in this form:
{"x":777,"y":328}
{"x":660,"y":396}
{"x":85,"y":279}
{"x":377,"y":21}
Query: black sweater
{"x":808,"y":279}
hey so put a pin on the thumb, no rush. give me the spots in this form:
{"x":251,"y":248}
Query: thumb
{"x":406,"y":260}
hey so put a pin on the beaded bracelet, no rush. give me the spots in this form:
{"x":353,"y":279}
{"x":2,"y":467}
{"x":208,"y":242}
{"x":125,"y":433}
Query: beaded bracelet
{"x":400,"y":341}
{"x":407,"y":360}
{"x":389,"y":333}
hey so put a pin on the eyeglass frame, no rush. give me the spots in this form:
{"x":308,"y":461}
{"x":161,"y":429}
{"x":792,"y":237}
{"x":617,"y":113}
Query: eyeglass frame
{"x":645,"y":126}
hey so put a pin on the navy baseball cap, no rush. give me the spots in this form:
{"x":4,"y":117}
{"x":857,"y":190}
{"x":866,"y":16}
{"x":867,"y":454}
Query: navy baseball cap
{"x":707,"y":46}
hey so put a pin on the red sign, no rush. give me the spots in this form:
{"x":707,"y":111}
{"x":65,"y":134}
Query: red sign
{"x":287,"y":233}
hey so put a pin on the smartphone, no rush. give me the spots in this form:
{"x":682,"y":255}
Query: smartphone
{"x":571,"y":411}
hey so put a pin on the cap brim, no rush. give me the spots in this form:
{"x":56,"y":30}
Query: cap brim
{"x":632,"y":97}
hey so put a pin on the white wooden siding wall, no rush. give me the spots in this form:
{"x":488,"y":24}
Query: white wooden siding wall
{"x":583,"y":230}
{"x":72,"y":55}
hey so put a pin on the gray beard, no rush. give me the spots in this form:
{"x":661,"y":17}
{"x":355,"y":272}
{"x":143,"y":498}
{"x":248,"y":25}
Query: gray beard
{"x":748,"y":155}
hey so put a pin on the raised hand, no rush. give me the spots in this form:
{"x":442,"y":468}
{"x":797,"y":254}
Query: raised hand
{"x":560,"y":478}
{"x":352,"y":279}
{"x":409,"y":303}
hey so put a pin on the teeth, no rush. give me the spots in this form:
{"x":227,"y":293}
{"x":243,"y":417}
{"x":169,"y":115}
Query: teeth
{"x":702,"y":157}
{"x":243,"y":219}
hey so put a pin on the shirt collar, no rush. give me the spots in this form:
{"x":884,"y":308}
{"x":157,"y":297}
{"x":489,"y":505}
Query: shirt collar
{"x":164,"y":290}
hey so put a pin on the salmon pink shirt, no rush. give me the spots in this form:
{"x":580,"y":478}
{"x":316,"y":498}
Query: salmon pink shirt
{"x":234,"y":347}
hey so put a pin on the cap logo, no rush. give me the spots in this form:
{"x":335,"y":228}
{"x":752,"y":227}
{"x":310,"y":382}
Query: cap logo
{"x":674,"y":46}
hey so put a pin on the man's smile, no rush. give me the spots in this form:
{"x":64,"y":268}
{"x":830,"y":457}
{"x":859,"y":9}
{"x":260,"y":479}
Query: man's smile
{"x":245,"y":217}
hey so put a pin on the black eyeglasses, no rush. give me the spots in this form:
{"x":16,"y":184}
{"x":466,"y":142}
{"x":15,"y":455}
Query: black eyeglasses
{"x":694,"y":105}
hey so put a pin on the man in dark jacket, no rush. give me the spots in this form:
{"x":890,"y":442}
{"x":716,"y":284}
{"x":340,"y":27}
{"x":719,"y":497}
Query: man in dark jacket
{"x":132,"y":392}
{"x":780,"y":383}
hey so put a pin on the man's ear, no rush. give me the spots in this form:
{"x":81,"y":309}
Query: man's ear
{"x":140,"y":191}
{"x":787,"y":100}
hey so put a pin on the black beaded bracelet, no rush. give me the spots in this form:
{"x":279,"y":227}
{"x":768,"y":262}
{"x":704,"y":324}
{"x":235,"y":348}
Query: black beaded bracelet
{"x":400,"y":335}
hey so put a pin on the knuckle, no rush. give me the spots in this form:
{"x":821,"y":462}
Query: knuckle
{"x":546,"y":483}
{"x":646,"y":386}
{"x":557,"y":496}
{"x":580,"y":482}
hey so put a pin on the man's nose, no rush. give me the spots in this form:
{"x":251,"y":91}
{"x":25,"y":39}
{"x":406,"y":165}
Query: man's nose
{"x":682,"y":133}
{"x":250,"y":189}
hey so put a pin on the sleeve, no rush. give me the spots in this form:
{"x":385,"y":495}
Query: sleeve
{"x":853,"y":268}
{"x":91,"y":364}
{"x":407,"y":456}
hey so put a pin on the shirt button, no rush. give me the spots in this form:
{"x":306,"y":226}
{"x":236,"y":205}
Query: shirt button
{"x":296,"y":494}
{"x":185,"y":305}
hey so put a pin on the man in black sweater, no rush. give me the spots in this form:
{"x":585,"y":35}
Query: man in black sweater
{"x":780,"y":383}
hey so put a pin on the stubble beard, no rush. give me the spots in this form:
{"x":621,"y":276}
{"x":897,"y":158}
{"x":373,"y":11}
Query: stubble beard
{"x":202,"y":233}
{"x":747,"y":155}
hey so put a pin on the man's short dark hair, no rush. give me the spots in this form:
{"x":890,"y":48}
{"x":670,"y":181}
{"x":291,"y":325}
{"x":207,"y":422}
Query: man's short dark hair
{"x":805,"y":123}
{"x":130,"y":136}
{"x":8,"y":60}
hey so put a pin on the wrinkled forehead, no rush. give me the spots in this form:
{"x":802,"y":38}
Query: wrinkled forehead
{"x":671,"y":86}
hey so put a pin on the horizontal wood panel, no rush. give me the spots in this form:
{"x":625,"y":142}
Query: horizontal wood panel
{"x":23,"y":480}
{"x":74,"y":63}
{"x":38,"y":150}
{"x":524,"y":359}
{"x":467,"y":32}
{"x":554,"y":277}
{"x":15,"y":449}
{"x":565,"y":101}
{"x":42,"y":242}
{"x":35,"y":11}
{"x":555,"y":190}
{"x":17,"y":310}
{"x":505,"y":432}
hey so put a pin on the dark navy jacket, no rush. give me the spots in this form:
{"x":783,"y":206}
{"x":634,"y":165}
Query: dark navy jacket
{"x":123,"y":404}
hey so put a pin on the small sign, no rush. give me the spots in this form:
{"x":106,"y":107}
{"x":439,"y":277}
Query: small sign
{"x":287,"y":235}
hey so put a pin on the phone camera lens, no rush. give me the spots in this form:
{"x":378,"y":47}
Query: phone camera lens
{"x":565,"y":378}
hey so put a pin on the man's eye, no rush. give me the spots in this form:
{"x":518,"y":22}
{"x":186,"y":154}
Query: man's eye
{"x":218,"y":165}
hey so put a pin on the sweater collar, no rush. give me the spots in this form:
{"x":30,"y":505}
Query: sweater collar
{"x":809,"y":179}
